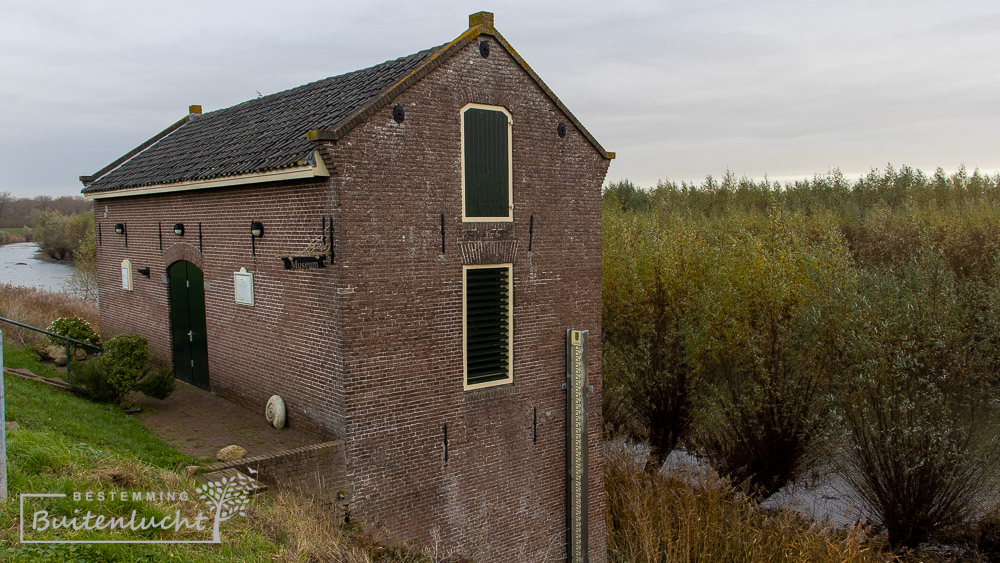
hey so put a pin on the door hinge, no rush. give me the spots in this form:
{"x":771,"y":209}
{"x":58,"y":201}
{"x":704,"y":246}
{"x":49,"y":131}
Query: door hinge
{"x":192,"y":363}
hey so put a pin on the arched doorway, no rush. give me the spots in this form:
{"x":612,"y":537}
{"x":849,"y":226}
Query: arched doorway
{"x":187,"y":323}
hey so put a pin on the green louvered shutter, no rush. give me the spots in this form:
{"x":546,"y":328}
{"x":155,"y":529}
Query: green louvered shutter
{"x":487,"y":177}
{"x":487,"y":324}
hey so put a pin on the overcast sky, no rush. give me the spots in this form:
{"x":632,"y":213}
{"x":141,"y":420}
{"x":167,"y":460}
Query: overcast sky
{"x":678,"y":89}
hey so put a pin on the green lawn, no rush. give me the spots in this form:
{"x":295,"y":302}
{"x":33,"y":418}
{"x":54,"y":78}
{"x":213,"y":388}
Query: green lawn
{"x":66,"y":444}
{"x":13,"y":230}
{"x":106,"y":427}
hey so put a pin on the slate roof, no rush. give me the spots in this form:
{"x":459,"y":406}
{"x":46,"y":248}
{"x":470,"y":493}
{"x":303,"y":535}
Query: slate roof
{"x":269,"y":133}
{"x":266,"y":133}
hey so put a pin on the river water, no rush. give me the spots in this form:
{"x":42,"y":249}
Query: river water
{"x":21,"y":264}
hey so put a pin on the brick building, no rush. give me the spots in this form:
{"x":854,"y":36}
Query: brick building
{"x":398,"y":253}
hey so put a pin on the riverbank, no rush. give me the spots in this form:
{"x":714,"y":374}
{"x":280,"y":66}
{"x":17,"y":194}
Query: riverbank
{"x":21,"y":264}
{"x":13,"y":235}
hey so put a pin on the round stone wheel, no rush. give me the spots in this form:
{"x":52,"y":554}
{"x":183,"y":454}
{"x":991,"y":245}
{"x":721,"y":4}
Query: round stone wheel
{"x":275,"y":411}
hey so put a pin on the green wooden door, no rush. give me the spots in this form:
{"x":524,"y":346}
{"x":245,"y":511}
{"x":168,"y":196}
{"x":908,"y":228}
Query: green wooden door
{"x":187,"y":323}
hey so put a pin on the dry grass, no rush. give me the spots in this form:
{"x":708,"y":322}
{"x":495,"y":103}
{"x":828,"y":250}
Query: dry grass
{"x":663,"y":518}
{"x":39,"y":308}
{"x":12,"y":237}
{"x":301,"y":530}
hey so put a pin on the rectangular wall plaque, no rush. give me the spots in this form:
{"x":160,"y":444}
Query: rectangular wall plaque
{"x":576,"y":445}
{"x":127,"y":274}
{"x":243,"y":284}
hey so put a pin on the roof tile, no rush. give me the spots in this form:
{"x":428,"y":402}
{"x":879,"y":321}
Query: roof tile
{"x":266,"y":133}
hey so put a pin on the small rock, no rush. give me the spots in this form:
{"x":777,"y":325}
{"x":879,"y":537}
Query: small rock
{"x":230,"y":453}
{"x":79,"y":354}
{"x":11,"y":425}
{"x":57,"y":354}
{"x":192,"y":470}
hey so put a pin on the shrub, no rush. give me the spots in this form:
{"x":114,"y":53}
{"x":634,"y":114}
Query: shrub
{"x":121,"y":369}
{"x":919,"y":428}
{"x":651,"y":270}
{"x":38,"y":308}
{"x":767,"y":336}
{"x":59,"y":235}
{"x":91,"y":379}
{"x":126,"y":356}
{"x":157,"y":383}
{"x":75,"y":328}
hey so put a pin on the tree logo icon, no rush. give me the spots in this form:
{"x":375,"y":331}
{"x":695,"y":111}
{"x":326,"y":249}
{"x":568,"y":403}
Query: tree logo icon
{"x":228,"y":497}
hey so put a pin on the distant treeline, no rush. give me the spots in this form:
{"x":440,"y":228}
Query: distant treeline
{"x":827,"y":324}
{"x":17,"y":212}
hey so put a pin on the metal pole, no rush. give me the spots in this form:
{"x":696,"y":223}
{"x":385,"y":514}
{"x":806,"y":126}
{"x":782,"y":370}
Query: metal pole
{"x":69,"y":378}
{"x":3,"y":430}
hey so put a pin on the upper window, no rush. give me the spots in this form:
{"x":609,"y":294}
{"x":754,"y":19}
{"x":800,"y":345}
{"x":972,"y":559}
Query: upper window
{"x":487,"y":318}
{"x":487,"y":186}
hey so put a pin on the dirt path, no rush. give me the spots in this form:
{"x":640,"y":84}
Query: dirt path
{"x":199,"y":423}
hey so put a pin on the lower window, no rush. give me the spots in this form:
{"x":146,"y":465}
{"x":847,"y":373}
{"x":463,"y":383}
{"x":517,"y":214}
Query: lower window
{"x":488,"y":325}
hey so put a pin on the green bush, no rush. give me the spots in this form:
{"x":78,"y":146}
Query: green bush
{"x":59,"y":235}
{"x":122,"y":368}
{"x":75,"y":328}
{"x":766,"y":339}
{"x":918,"y":415}
{"x":91,"y":379}
{"x":651,"y":270}
{"x":737,"y":312}
{"x":126,"y":356}
{"x":157,"y":383}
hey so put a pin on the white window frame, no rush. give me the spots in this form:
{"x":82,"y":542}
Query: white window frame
{"x":510,"y":165}
{"x":510,"y":328}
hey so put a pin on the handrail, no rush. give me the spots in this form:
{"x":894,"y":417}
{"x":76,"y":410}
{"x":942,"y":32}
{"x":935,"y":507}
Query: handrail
{"x":66,"y":338}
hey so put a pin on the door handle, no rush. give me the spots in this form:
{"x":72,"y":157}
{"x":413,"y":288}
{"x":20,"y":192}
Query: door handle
{"x":191,"y":335}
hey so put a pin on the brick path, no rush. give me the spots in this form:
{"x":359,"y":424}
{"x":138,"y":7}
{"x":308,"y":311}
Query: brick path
{"x":199,"y":423}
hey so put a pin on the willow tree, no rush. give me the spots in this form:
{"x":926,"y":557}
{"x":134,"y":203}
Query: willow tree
{"x":652,"y":268}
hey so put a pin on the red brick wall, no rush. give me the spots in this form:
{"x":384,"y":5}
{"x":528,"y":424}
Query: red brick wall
{"x":314,"y":472}
{"x":370,"y":349}
{"x":281,"y":345}
{"x":499,"y":495}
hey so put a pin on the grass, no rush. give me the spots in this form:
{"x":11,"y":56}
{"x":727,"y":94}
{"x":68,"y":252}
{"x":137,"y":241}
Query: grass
{"x":104,"y":427}
{"x":66,"y":444}
{"x":39,"y":308}
{"x":663,"y":518}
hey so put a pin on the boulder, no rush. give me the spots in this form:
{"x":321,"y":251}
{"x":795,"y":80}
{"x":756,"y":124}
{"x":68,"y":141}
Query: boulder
{"x":53,"y":353}
{"x":231,"y":453}
{"x":79,"y":354}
